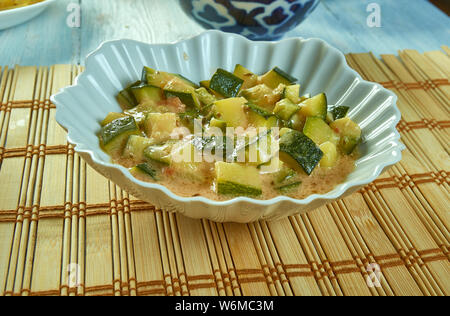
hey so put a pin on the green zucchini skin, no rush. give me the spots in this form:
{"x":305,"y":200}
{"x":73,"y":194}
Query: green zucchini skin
{"x":226,"y":83}
{"x":276,"y":76}
{"x":339,"y":112}
{"x":301,"y":149}
{"x":117,"y":128}
{"x":187,"y":81}
{"x":126,"y":98}
{"x":350,"y":134}
{"x":186,"y":98}
{"x":234,"y":189}
{"x":145,"y":92}
{"x":348,"y":144}
{"x":288,"y":187}
{"x":285,"y":109}
{"x":204,"y":96}
{"x":285,"y":75}
{"x":237,"y":180}
{"x":158,"y":153}
{"x":145,"y":72}
{"x":259,"y":110}
{"x":292,"y":93}
{"x":315,"y":106}
{"x":148,"y":170}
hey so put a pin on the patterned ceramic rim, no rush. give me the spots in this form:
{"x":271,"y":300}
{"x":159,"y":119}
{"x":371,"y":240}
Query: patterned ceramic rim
{"x":275,"y":19}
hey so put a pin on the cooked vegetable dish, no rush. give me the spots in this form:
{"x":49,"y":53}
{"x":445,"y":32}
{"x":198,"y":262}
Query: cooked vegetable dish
{"x":12,"y":4}
{"x":237,"y":134}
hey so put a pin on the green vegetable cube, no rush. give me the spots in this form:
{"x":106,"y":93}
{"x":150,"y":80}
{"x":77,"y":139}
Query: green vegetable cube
{"x":226,"y":83}
{"x":316,"y":129}
{"x":160,"y":126}
{"x":135,"y":147}
{"x":292,"y":92}
{"x":330,"y":155}
{"x":145,"y":169}
{"x":147,"y":93}
{"x":350,"y":134}
{"x":237,"y":180}
{"x":285,"y":109}
{"x":315,"y":106}
{"x":231,"y":111}
{"x":275,"y":77}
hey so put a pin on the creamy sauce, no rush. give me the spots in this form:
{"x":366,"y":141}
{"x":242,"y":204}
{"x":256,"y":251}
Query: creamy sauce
{"x":321,"y":181}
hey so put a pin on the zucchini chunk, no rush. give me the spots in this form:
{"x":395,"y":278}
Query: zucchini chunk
{"x":135,"y":147}
{"x":286,"y":180}
{"x":177,"y":89}
{"x":226,"y":83}
{"x":316,"y":129}
{"x":285,"y":109}
{"x":205,"y":84}
{"x":160,"y":126}
{"x":275,"y":77}
{"x":126,"y":97}
{"x":147,"y":93}
{"x":146,"y":169}
{"x":205,"y":97}
{"x":330,"y":155}
{"x":296,"y":122}
{"x":288,"y":188}
{"x":262,"y":96}
{"x":272,"y":166}
{"x":186,"y":81}
{"x":350,"y":134}
{"x":259,"y":110}
{"x":192,"y":171}
{"x":155,"y":78}
{"x":285,"y":175}
{"x":114,"y":135}
{"x":161,"y":78}
{"x":315,"y":106}
{"x":111,"y":117}
{"x":298,"y":151}
{"x":231,"y":111}
{"x":339,"y":112}
{"x":256,"y":120}
{"x":292,"y":92}
{"x":250,"y":79}
{"x":237,"y":180}
{"x":159,"y":153}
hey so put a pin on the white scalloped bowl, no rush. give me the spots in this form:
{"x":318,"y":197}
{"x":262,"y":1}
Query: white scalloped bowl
{"x":319,"y":67}
{"x":13,"y":17}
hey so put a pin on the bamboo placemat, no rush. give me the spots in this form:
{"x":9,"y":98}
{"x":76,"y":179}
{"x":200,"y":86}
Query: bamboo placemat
{"x":65,"y":230}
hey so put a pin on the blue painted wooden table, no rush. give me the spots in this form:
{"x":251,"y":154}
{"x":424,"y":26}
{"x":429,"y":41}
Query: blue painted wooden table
{"x":47,"y":39}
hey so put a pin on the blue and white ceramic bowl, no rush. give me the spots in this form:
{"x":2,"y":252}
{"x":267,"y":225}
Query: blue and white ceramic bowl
{"x":255,"y":19}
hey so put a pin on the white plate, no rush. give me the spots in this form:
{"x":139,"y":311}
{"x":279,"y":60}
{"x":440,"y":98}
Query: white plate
{"x":320,"y":67}
{"x":13,"y":17}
